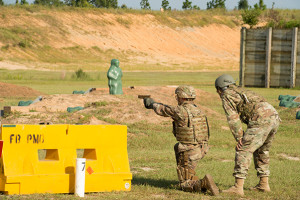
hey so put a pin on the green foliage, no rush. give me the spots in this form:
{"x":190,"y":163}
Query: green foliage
{"x":1,"y":3}
{"x":187,"y":5}
{"x":283,"y":24}
{"x":24,"y":2}
{"x":105,"y":3}
{"x":243,"y":5}
{"x":195,"y":7}
{"x":216,"y":4}
{"x":78,"y":3}
{"x":80,"y":75}
{"x":165,"y":5}
{"x":251,"y":16}
{"x":282,"y":20}
{"x":261,"y":5}
{"x":145,"y":5}
{"x":55,"y":3}
{"x":123,"y":6}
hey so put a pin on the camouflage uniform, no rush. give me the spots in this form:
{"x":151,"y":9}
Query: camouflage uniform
{"x":262,"y":123}
{"x":191,"y":131}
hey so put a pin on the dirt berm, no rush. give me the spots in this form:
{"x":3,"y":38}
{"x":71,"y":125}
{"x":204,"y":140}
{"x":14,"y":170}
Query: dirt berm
{"x":100,"y":107}
{"x":57,"y":39}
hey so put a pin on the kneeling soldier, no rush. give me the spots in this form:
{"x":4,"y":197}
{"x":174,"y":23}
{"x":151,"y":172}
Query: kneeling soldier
{"x":190,"y":127}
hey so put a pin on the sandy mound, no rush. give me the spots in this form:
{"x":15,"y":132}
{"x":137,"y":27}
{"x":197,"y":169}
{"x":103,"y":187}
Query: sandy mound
{"x":136,"y":39}
{"x":10,"y":90}
{"x":123,"y":109}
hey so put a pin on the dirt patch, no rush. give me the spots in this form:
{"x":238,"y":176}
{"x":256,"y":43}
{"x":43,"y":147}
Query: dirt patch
{"x":10,"y":90}
{"x":12,"y":66}
{"x":289,"y":157}
{"x":95,"y":121}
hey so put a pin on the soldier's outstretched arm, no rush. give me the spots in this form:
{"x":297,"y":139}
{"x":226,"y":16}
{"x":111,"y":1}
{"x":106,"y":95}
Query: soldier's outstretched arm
{"x":162,"y":109}
{"x":167,"y":111}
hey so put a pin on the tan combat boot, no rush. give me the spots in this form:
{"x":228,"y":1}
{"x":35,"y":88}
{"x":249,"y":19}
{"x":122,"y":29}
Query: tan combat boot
{"x":207,"y":183}
{"x":263,"y":185}
{"x":237,"y":188}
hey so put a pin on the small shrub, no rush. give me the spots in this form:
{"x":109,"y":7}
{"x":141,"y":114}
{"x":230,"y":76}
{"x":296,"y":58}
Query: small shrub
{"x":80,"y":75}
{"x":123,"y":6}
{"x":24,"y":44}
{"x":251,"y":16}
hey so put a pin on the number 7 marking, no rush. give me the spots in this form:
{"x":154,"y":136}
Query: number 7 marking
{"x":83,"y":166}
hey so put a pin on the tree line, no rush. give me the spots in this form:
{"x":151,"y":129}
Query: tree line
{"x":186,"y":5}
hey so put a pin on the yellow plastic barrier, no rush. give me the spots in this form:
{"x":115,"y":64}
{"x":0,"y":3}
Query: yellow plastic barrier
{"x":42,"y":158}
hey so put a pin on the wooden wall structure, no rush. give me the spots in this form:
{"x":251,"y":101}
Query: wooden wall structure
{"x":270,"y":57}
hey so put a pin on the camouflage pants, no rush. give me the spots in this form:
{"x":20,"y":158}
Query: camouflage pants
{"x":187,"y":157}
{"x":256,"y":141}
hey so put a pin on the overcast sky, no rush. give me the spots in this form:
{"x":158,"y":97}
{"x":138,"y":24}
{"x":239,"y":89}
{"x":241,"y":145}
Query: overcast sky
{"x":230,"y":4}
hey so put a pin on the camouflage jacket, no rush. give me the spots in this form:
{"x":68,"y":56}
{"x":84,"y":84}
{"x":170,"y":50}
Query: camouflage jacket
{"x":181,"y":122}
{"x":244,"y":106}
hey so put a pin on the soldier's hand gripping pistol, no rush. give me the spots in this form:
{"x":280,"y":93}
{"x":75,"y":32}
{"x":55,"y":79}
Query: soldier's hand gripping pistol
{"x":148,"y":102}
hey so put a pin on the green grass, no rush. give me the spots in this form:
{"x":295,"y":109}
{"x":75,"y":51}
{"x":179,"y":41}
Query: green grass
{"x":151,"y":145}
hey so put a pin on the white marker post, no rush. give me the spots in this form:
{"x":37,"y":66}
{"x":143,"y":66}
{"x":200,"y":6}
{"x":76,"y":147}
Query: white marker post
{"x":80,"y":177}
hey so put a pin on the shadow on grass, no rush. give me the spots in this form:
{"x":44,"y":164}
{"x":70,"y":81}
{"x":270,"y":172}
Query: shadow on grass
{"x":160,"y":183}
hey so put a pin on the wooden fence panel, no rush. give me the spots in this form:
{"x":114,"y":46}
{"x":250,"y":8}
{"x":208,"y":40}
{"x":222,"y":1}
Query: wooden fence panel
{"x":255,"y":68}
{"x":278,"y":57}
{"x":282,"y":35}
{"x":257,"y":80}
{"x":258,"y":45}
{"x":281,"y":69}
{"x":282,"y":81}
{"x":282,"y":46}
{"x":271,"y":58}
{"x":256,"y":34}
{"x":255,"y":57}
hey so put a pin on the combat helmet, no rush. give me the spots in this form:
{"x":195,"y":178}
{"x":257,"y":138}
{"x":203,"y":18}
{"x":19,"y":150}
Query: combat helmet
{"x":185,"y":92}
{"x":224,"y":81}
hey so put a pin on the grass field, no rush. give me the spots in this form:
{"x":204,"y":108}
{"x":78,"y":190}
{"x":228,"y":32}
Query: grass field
{"x":154,"y":148}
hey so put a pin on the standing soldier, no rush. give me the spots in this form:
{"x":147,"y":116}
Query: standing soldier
{"x":262,"y":123}
{"x":191,"y":130}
